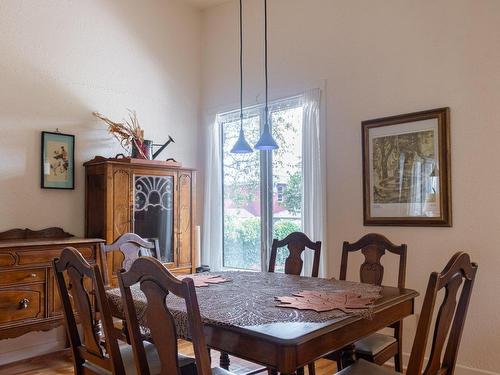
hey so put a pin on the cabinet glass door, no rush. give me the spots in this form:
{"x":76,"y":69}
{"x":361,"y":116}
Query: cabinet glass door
{"x":153,"y":212}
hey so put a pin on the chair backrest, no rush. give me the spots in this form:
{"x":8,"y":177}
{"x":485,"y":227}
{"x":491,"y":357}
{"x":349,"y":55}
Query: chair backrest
{"x":81,"y":282}
{"x":296,"y":242}
{"x":128,"y":246}
{"x":458,"y":270}
{"x":373,"y":246}
{"x":153,"y":250}
{"x":156,"y":282}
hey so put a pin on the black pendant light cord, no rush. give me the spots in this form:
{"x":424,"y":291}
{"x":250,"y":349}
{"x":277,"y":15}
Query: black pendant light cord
{"x":265,"y":51}
{"x":241,"y":64}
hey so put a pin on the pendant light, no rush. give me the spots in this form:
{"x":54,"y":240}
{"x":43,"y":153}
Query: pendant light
{"x":266,"y":141}
{"x":241,"y":146}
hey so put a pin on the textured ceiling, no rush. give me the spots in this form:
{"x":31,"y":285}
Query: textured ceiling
{"x":203,"y":4}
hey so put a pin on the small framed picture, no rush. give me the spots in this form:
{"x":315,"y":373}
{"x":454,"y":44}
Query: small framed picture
{"x":58,"y":161}
{"x":406,"y":169}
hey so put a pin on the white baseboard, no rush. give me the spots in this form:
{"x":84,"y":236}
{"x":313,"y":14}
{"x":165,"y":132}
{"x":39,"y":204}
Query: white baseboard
{"x":31,"y":344}
{"x":459,"y":369}
{"x":30,"y":351}
{"x":464,"y":370}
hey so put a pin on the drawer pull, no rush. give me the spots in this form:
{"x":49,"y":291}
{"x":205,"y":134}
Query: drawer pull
{"x":33,"y":275}
{"x":23,"y":304}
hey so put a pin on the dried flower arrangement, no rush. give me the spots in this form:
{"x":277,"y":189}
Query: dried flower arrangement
{"x":128,"y":133}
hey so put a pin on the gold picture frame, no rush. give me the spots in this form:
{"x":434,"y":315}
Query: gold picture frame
{"x":406,"y":169}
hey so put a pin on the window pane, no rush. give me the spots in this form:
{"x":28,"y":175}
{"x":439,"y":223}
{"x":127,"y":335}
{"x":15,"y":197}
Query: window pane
{"x":242,"y":217}
{"x":287,"y":176}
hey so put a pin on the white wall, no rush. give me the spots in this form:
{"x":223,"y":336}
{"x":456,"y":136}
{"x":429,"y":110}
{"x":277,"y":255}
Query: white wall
{"x":59,"y":61}
{"x":383,"y":58}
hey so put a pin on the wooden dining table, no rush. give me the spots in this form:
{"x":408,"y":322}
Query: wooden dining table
{"x":241,"y":317}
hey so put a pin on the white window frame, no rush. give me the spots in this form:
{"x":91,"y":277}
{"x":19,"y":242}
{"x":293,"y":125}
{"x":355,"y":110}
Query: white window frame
{"x":266,"y":176}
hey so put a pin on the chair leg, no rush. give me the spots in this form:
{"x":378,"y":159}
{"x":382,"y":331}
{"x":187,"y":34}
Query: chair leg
{"x":343,"y":357}
{"x":311,"y":368}
{"x":340,"y":367}
{"x":224,"y":360}
{"x":398,"y":358}
{"x":336,"y":356}
{"x":189,"y":370}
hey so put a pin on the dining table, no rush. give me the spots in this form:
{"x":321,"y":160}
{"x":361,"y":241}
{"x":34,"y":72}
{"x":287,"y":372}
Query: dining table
{"x":241,"y":316}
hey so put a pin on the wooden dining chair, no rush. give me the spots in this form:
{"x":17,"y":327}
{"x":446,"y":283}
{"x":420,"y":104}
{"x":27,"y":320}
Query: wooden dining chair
{"x":156,"y":282}
{"x":125,"y":249}
{"x":81,"y":289}
{"x":297,"y":242}
{"x":377,"y":348}
{"x":89,"y":355}
{"x":448,"y":326}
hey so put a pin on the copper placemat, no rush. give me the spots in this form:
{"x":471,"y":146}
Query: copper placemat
{"x":323,"y":302}
{"x":204,"y":279}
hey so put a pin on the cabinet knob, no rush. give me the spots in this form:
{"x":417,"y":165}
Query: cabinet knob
{"x":33,"y":275}
{"x":23,"y":304}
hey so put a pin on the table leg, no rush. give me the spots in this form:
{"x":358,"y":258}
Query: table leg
{"x":347,"y":357}
{"x":224,"y":360}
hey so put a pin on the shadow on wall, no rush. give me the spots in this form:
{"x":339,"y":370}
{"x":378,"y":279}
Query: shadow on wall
{"x":27,"y":92}
{"x":23,"y":202}
{"x":159,"y":30}
{"x":58,"y":64}
{"x":32,"y":101}
{"x":163,"y":32}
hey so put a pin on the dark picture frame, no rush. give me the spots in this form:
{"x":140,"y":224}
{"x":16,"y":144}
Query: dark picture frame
{"x":406,"y":169}
{"x":57,"y":167}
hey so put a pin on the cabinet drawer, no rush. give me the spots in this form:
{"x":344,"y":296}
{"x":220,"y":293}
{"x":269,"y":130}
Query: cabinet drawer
{"x":45,"y":257}
{"x":22,"y":303}
{"x":22,"y":276}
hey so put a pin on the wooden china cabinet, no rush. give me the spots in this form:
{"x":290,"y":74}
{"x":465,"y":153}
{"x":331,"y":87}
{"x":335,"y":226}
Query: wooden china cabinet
{"x":154,"y":199}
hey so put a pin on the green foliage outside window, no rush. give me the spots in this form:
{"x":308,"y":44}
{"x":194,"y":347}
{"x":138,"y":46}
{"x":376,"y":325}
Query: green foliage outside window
{"x":242,"y":241}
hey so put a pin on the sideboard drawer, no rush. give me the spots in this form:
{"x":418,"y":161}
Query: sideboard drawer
{"x":45,"y":257}
{"x":22,"y":276}
{"x":22,"y":303}
{"x":29,"y":300}
{"x":7,"y":260}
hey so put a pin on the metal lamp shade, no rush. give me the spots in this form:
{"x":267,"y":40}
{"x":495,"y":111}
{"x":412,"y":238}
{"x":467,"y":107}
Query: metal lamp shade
{"x":241,"y":146}
{"x":266,"y":141}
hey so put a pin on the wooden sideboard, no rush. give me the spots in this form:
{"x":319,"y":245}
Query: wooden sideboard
{"x":29,"y":300}
{"x":153,"y":199}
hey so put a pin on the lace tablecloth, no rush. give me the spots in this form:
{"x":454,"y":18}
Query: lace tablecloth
{"x":248,"y":299}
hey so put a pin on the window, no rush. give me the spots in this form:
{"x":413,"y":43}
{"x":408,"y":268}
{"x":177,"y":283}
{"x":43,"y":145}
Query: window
{"x":262,"y":191}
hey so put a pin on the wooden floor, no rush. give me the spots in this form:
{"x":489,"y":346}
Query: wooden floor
{"x":60,"y":363}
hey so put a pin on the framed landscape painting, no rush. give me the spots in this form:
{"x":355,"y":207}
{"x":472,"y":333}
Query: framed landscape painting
{"x":58,"y":161}
{"x":406,"y":169}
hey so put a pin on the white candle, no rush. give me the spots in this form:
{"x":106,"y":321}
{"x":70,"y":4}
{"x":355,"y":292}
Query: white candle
{"x":197,"y":244}
{"x":46,"y":168}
